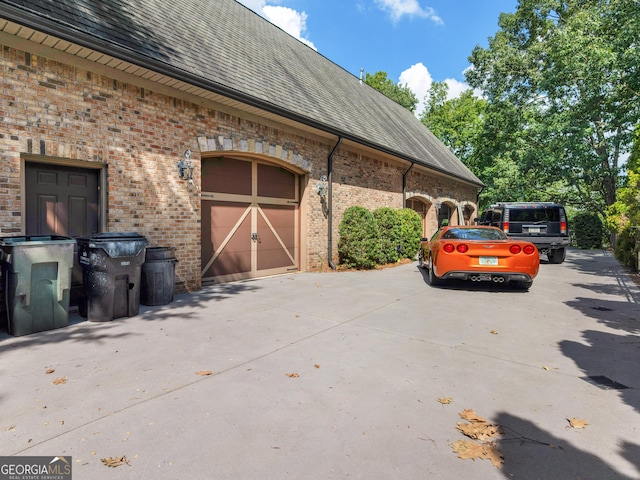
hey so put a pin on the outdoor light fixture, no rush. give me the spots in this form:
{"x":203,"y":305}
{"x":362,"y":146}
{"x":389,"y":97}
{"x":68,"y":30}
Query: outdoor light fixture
{"x":322,"y":186}
{"x":185,"y":167}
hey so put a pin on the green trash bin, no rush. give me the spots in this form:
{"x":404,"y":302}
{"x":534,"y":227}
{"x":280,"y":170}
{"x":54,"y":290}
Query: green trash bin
{"x":36,"y":281}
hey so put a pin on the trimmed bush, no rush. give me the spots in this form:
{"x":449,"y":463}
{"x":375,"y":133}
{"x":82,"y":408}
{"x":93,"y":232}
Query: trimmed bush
{"x":588,"y":230}
{"x":626,"y":251}
{"x":410,"y":232}
{"x":359,"y":243}
{"x":389,"y":230}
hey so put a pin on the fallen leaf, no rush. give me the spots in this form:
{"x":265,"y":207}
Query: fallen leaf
{"x":317,"y":366}
{"x":484,"y":451}
{"x":204,"y":373}
{"x":50,"y":370}
{"x":293,"y":375}
{"x":115,"y":461}
{"x":471,"y":416}
{"x":577,"y":423}
{"x":445,"y":400}
{"x":10,"y":428}
{"x":59,"y":381}
{"x":544,"y":367}
{"x":479,"y":430}
{"x":494,"y":332}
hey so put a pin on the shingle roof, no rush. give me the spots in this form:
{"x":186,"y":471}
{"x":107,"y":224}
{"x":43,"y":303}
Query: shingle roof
{"x":227,"y":48}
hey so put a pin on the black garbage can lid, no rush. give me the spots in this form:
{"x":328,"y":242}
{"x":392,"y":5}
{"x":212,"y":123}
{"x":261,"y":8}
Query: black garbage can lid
{"x":116,"y":244}
{"x":114,"y":236}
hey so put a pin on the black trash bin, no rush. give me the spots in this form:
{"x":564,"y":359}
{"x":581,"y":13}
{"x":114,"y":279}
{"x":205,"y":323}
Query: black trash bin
{"x":36,"y":281}
{"x":111,"y":267}
{"x":158,"y":276}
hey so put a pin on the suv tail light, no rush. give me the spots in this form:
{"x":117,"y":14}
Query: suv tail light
{"x":563,"y":228}
{"x":505,"y":227}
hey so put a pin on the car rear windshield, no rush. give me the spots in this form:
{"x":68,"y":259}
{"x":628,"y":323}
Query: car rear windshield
{"x":474,"y":234}
{"x":534,"y":215}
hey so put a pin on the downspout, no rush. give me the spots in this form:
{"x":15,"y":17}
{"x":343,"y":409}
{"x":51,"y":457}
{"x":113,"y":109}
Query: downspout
{"x":404,"y":186}
{"x":330,"y":203}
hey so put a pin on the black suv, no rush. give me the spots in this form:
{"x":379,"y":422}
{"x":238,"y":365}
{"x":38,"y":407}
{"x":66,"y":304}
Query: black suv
{"x":542,"y":223}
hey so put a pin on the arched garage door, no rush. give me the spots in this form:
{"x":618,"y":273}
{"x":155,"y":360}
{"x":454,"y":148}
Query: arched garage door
{"x":250,"y":225}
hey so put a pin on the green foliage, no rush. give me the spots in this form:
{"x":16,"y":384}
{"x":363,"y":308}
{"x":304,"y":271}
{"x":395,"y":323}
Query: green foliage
{"x":457,"y":122}
{"x":410,"y":232}
{"x":563,"y":92}
{"x":587,"y":230}
{"x":359,"y":243}
{"x":389,"y":229}
{"x":623,"y":217}
{"x":399,"y":93}
{"x":626,"y":250}
{"x":369,"y":239}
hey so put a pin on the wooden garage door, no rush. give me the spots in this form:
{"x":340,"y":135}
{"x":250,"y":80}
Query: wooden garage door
{"x":249,"y":219}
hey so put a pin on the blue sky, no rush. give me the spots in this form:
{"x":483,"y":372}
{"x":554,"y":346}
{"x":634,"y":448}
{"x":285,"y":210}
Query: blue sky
{"x":415,"y":41}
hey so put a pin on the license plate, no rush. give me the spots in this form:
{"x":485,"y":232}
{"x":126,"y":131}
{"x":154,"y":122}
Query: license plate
{"x":534,"y":229}
{"x":488,"y":260}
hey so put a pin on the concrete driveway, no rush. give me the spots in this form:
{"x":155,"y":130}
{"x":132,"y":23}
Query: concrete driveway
{"x":341,"y":376}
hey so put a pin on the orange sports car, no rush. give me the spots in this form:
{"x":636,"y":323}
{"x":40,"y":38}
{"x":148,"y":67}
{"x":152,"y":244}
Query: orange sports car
{"x":479,"y":254}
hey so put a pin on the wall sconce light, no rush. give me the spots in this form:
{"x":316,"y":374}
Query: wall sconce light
{"x":322,"y":187}
{"x":185,"y":166}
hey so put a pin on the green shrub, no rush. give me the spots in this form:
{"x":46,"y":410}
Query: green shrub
{"x":389,"y":230}
{"x":626,"y":251}
{"x":359,"y":243}
{"x":588,"y":230}
{"x":410,"y":232}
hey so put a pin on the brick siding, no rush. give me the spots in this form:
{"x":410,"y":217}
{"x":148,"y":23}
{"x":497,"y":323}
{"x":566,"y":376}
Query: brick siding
{"x":53,"y":110}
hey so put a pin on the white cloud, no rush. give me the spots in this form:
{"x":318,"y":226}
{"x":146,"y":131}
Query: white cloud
{"x":289,"y":20}
{"x":255,"y":5}
{"x":419,"y":80}
{"x":411,"y":8}
{"x":456,"y":87}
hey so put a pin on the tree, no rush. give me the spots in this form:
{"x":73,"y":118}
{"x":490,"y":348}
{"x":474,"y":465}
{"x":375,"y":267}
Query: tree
{"x":566,"y":71}
{"x":457,"y":122}
{"x":493,"y":139}
{"x":399,"y":93}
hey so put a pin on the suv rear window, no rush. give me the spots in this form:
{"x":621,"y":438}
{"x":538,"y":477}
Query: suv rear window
{"x":534,"y":214}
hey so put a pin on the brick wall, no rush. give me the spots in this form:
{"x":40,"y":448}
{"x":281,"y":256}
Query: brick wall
{"x":53,"y":110}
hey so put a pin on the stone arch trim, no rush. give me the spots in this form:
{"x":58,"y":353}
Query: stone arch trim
{"x":256,"y":148}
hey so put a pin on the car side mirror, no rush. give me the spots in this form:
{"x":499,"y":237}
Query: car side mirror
{"x":424,"y":239}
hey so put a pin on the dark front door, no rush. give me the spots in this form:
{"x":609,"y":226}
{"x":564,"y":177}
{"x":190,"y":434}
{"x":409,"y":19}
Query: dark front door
{"x":62,"y":200}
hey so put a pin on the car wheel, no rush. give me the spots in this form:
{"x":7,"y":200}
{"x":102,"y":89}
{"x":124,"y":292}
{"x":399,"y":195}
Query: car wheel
{"x":556,"y":256}
{"x":433,"y":280}
{"x":420,"y":259}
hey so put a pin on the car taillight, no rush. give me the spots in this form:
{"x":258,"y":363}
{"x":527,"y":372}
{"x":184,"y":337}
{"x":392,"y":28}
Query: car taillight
{"x":505,"y":227}
{"x":563,"y":227}
{"x":515,"y":249}
{"x":449,"y":248}
{"x":529,"y":249}
{"x":462,"y":248}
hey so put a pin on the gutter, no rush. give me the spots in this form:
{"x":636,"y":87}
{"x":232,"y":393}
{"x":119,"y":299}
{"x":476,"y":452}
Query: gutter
{"x":404,"y":186}
{"x":70,"y":33}
{"x":330,"y":204}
